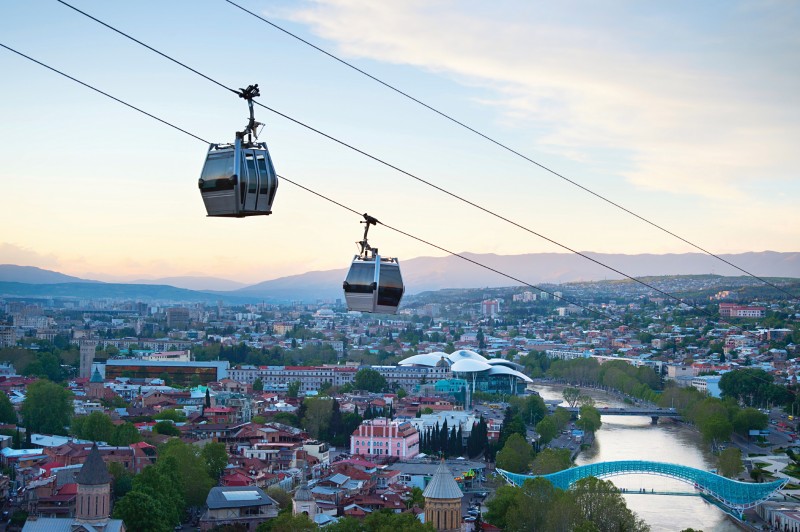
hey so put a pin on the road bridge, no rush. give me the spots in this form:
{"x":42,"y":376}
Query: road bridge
{"x":732,"y":494}
{"x":654,"y":413}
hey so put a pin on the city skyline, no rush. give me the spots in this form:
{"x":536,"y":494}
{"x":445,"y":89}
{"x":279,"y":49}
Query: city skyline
{"x":685,"y":116}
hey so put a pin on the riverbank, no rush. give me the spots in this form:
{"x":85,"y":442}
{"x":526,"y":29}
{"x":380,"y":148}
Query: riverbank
{"x":635,"y":438}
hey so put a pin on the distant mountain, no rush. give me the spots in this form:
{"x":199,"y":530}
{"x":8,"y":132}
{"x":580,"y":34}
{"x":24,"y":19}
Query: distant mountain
{"x":434,"y":273}
{"x":195,"y":283}
{"x":142,"y":292}
{"x":420,"y":275}
{"x":30,"y":274}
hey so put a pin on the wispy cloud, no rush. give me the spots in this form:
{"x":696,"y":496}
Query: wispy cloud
{"x":688,"y":106}
{"x":11,"y":253}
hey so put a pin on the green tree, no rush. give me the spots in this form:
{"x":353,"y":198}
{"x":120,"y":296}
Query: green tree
{"x":729,"y":462}
{"x":287,"y":418}
{"x":369,"y":380}
{"x":293,"y":389}
{"x":571,"y":396}
{"x":589,"y":419}
{"x":286,"y":522}
{"x":167,"y":428}
{"x":189,"y":465}
{"x":95,"y":427}
{"x":141,"y":513}
{"x":601,"y":503}
{"x":281,"y":496}
{"x":172,"y":414}
{"x":7,"y":412}
{"x":125,"y":434}
{"x":716,"y":428}
{"x":748,"y":419}
{"x":561,"y":416}
{"x":47,"y":408}
{"x":123,"y":481}
{"x":547,"y":430}
{"x":551,"y":461}
{"x":216,"y":459}
{"x":388,"y":521}
{"x":515,"y":456}
{"x":317,"y":416}
{"x":258,"y":385}
{"x":498,"y":506}
{"x":416,"y":498}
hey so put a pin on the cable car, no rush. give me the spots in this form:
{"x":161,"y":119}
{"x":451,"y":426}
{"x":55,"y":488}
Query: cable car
{"x":373,"y":283}
{"x":239,"y":179}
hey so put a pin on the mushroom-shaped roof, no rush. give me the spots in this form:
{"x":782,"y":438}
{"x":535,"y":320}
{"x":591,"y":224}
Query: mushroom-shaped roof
{"x":504,"y":362}
{"x":469,"y":365}
{"x":463,"y":354}
{"x":442,"y":485}
{"x":503,"y":370}
{"x":423,"y":359}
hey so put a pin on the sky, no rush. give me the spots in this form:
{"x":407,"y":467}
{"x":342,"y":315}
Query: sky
{"x":684,"y":112}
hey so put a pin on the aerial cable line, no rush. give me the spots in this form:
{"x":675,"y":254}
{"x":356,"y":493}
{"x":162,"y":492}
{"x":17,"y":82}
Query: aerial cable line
{"x":343,"y":206}
{"x":326,"y":198}
{"x":503,"y":146}
{"x":394,"y":167}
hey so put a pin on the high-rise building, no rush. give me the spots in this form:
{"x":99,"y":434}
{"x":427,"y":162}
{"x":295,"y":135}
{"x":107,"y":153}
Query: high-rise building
{"x":88,"y":347}
{"x":178,"y":318}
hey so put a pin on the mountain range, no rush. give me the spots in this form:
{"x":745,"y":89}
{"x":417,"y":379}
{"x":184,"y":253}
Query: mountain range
{"x":419,"y":274}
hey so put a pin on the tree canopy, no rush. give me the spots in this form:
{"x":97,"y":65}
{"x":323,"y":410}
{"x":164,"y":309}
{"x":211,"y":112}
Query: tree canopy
{"x":7,"y":412}
{"x":591,"y":505}
{"x":516,"y":454}
{"x":369,"y":380}
{"x":47,"y":408}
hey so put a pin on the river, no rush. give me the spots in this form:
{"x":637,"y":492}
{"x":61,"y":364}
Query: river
{"x":635,"y":438}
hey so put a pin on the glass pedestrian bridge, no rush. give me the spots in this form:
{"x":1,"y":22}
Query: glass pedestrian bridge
{"x":735,"y":495}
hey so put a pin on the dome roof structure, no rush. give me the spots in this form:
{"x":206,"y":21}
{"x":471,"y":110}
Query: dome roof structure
{"x":469,"y":365}
{"x":462,"y":354}
{"x":504,"y":370}
{"x":424,"y":359}
{"x":504,"y":362}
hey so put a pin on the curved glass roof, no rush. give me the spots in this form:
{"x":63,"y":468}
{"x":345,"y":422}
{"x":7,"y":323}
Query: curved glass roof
{"x":469,"y":365}
{"x":504,"y":362}
{"x":504,"y":370}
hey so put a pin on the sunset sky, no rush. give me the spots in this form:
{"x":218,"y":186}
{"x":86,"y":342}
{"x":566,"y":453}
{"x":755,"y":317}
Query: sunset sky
{"x":685,"y":112}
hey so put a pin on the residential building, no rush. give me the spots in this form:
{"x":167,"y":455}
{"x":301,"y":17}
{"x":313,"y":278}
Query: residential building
{"x":383,"y":437}
{"x":241,"y":507}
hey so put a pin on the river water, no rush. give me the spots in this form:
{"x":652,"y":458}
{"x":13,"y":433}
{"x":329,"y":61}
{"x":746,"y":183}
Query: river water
{"x":635,"y":438}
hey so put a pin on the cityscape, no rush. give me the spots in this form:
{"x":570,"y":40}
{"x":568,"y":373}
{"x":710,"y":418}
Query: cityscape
{"x":432,"y":266}
{"x":309,"y":413}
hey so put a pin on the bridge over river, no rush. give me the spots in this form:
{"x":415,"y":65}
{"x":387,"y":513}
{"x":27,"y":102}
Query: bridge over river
{"x":731,"y":494}
{"x":652,"y":412}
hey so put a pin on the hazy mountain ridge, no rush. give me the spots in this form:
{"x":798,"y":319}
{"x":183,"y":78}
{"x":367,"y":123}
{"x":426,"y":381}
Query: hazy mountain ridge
{"x":420,"y":275}
{"x":33,"y":275}
{"x":435,"y":273}
{"x":84,"y":290}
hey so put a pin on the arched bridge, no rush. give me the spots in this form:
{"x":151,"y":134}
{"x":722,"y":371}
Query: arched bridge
{"x":738,"y":496}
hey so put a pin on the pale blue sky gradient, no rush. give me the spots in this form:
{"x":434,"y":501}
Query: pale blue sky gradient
{"x":685,"y":112}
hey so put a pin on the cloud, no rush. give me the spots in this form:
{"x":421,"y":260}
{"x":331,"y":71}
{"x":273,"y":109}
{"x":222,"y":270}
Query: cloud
{"x":685,"y":104}
{"x":22,"y":256}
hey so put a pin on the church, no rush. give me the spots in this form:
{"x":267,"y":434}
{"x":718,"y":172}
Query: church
{"x":93,"y":507}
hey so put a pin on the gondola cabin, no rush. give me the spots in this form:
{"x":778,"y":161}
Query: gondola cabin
{"x":238,"y":180}
{"x":374,"y":284}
